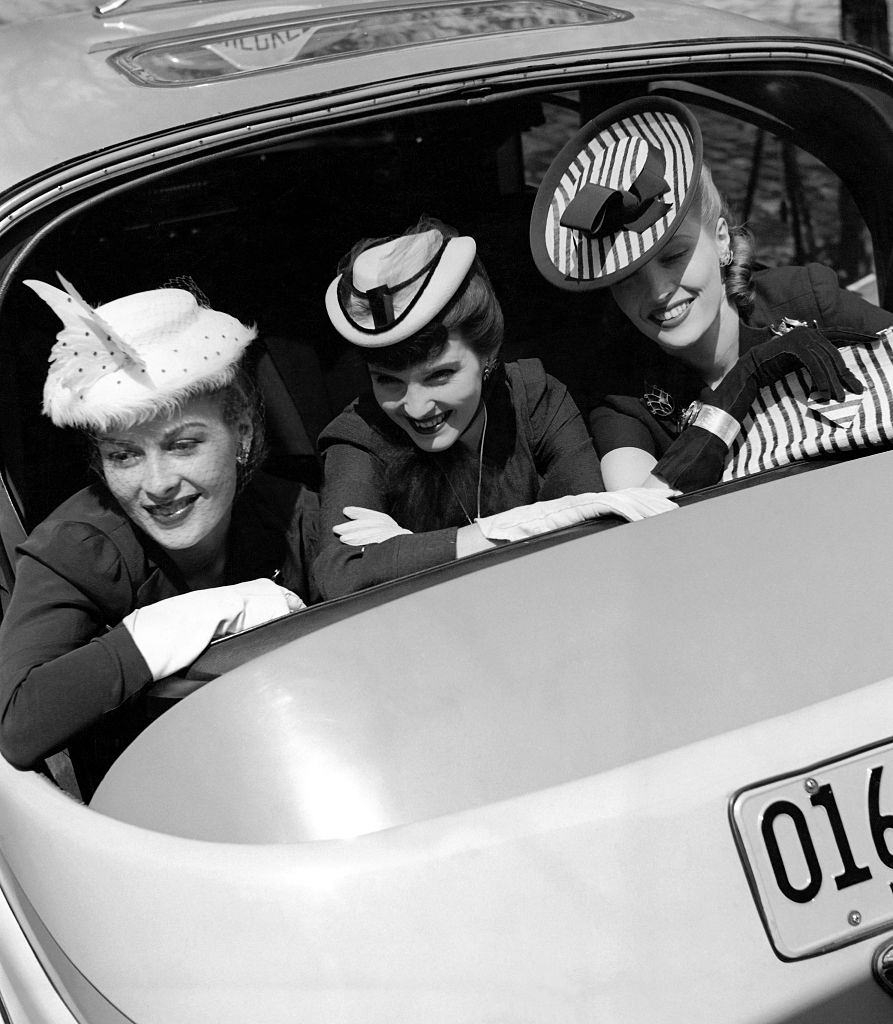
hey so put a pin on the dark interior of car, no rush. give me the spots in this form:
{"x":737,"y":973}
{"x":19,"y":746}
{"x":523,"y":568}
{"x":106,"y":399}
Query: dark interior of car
{"x":260,"y":233}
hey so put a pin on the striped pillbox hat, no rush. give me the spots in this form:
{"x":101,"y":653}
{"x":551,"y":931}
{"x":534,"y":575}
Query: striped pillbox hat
{"x":615,"y":194}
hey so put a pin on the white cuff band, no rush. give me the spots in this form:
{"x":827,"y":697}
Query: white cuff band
{"x":720,"y":423}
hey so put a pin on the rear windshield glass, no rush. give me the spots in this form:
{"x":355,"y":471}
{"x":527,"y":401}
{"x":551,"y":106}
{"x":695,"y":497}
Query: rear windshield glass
{"x":276,"y":42}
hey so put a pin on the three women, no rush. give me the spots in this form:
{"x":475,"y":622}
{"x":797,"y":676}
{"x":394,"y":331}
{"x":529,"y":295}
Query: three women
{"x":450,"y":452}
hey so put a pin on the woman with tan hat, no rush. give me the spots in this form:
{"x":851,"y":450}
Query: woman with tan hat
{"x":451,"y":451}
{"x":629,"y":205}
{"x":173,"y":545}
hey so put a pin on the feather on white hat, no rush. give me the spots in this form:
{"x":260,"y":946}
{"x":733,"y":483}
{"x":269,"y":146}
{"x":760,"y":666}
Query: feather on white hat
{"x":128,"y":360}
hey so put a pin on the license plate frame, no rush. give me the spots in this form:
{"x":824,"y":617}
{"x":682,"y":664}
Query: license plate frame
{"x":816,"y":845}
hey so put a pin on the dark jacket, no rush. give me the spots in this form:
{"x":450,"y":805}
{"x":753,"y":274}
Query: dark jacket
{"x":644,"y":402}
{"x":537,"y":447}
{"x":68,"y":668}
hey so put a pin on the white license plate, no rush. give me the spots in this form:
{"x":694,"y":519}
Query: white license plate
{"x":818,"y":849}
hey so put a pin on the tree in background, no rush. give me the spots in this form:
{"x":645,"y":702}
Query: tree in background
{"x":865,"y":22}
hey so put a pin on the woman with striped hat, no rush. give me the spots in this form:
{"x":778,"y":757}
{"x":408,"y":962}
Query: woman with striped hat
{"x":175,"y":543}
{"x":451,"y":451}
{"x":629,"y":205}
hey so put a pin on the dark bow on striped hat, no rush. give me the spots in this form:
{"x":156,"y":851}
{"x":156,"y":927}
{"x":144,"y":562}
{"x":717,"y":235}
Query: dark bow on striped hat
{"x":598,"y":210}
{"x":616,"y":193}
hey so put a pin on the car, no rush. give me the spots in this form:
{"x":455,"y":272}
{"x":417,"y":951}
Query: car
{"x":622,"y":772}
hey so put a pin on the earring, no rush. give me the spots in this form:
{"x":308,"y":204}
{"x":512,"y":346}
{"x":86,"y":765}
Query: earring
{"x":726,"y":258}
{"x":242,"y":457}
{"x":488,"y":369}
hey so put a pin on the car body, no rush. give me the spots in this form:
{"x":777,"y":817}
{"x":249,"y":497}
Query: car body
{"x":533,"y":785}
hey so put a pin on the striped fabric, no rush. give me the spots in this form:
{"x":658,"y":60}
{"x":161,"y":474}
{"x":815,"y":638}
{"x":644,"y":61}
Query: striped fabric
{"x":785,"y":426}
{"x":614,"y":158}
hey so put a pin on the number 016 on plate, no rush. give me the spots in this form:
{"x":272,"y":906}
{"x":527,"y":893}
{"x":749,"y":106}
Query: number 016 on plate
{"x":818,"y":849}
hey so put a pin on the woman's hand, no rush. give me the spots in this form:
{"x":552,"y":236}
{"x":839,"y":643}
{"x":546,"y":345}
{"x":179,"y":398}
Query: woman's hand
{"x":367,"y":526}
{"x":698,"y":456}
{"x":172,"y":633}
{"x":801,"y":347}
{"x":544,"y":516}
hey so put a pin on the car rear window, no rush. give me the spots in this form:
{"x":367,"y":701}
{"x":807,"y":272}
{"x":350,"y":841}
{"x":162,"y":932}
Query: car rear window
{"x":278,"y":41}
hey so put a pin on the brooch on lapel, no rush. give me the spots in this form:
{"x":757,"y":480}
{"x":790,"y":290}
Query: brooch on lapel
{"x":658,"y":402}
{"x":788,"y":323}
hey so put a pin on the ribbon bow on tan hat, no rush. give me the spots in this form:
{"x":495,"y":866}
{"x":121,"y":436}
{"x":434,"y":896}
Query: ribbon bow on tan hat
{"x":397,"y":286}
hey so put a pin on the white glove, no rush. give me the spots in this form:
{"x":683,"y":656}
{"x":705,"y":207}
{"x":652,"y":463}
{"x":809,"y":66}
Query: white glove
{"x":171,"y":634}
{"x":367,"y":526}
{"x":632,"y":503}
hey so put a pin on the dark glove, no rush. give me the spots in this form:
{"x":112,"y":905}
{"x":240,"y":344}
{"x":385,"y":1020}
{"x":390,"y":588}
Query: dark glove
{"x":698,"y":456}
{"x":802,"y":347}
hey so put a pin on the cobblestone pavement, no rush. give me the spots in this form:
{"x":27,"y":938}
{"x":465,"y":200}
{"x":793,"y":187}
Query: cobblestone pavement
{"x":29,"y":10}
{"x":812,"y":17}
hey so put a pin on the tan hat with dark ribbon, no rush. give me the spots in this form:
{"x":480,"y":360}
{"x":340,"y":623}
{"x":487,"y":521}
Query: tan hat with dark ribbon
{"x":130,"y":359}
{"x":398,"y":286}
{"x":615,"y":194}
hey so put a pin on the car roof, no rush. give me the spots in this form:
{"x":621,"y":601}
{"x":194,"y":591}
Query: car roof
{"x":66,"y":93}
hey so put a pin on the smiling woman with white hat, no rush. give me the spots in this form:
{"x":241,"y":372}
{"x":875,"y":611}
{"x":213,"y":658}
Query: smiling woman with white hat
{"x":629,"y":205}
{"x":451,"y":451}
{"x":175,"y":544}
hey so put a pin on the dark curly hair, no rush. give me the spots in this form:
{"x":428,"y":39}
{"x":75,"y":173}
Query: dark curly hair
{"x":423,"y":487}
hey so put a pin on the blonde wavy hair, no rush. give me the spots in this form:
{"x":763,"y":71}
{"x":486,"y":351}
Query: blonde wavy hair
{"x":738,"y":276}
